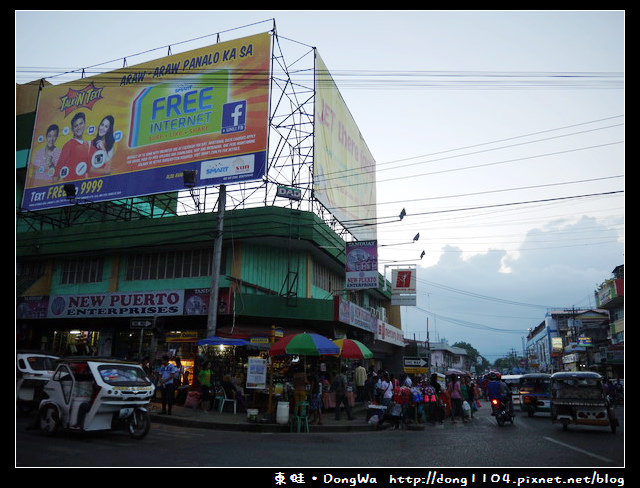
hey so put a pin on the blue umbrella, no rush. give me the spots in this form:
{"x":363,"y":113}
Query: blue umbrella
{"x":222,"y":341}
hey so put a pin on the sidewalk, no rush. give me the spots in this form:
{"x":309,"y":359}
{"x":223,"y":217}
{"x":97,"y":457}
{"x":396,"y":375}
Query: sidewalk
{"x":190,"y":417}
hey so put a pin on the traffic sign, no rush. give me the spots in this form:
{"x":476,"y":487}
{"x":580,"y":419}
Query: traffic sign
{"x":415,"y":365}
{"x":415,"y":362}
{"x":141,"y":324}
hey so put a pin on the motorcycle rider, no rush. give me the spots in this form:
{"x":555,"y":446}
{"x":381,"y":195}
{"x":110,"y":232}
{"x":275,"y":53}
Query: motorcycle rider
{"x":496,"y":388}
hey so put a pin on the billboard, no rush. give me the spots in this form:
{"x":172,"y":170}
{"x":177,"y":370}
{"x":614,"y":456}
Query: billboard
{"x":362,"y":265}
{"x":344,"y":178}
{"x":403,"y":287}
{"x":133,"y":131}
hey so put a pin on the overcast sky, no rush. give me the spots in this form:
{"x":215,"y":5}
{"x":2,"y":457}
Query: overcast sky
{"x":500,"y":133}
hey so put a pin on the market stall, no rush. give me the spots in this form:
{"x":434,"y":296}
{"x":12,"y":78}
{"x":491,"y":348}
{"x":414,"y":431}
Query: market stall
{"x":291,"y":354}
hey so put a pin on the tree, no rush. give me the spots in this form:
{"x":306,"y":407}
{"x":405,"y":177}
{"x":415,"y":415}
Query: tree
{"x":473,"y":355}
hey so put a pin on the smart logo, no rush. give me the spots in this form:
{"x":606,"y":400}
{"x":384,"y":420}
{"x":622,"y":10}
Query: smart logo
{"x":234,"y":116}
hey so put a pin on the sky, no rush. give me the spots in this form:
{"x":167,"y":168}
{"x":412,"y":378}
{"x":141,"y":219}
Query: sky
{"x":501,"y":134}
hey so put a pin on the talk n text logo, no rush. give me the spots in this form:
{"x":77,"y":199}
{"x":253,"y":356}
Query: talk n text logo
{"x":75,"y":99}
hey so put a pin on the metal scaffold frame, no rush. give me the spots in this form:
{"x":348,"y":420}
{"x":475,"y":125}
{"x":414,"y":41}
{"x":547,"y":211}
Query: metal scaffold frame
{"x":289,"y":161}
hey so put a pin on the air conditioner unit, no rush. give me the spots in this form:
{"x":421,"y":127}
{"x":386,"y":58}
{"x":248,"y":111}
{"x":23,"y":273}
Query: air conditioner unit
{"x":382,"y":314}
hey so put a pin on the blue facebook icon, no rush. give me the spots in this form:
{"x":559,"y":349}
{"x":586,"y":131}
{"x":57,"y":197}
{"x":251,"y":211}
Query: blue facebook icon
{"x":234,"y":116}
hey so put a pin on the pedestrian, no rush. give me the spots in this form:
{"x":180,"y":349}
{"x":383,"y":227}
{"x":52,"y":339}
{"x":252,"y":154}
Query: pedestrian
{"x":455,"y":394}
{"x":467,"y":396}
{"x":385,"y":388}
{"x":339,"y":387}
{"x":360,"y":380}
{"x":370,"y":386}
{"x":204,"y":377}
{"x":431,"y":398}
{"x":315,"y":399}
{"x":168,"y":373}
{"x":299,"y":386}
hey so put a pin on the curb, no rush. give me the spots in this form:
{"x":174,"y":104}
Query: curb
{"x":268,"y":427}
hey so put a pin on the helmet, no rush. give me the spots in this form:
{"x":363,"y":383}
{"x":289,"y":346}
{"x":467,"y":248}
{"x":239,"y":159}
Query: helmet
{"x":498,"y":376}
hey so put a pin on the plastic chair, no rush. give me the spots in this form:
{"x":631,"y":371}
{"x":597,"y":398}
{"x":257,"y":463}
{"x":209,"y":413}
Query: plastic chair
{"x":225,"y":399}
{"x":300,"y":417}
{"x":218,"y":398}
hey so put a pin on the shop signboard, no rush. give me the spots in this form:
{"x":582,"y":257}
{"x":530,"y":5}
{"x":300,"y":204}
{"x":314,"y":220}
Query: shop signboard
{"x":362,"y":265}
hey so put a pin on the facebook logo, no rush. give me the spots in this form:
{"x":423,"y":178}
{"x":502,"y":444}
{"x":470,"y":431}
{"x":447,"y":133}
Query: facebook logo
{"x":234,"y":116}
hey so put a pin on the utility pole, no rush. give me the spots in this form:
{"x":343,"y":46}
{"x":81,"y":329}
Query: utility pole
{"x":215,"y":268}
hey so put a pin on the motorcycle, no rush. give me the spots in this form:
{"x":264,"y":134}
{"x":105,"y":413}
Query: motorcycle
{"x":88,"y":394}
{"x":501,"y":412}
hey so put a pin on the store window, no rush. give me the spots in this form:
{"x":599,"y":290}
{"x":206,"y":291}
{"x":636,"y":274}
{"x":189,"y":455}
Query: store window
{"x":162,"y":265}
{"x":88,"y":270}
{"x":325,"y":279}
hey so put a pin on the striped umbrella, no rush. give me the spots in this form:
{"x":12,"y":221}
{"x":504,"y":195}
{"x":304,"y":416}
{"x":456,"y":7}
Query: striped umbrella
{"x":352,"y":349}
{"x":304,"y":344}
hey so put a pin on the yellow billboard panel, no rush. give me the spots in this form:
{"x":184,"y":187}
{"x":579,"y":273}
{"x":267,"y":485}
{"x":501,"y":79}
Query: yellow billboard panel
{"x":344,"y":177}
{"x":133,"y":131}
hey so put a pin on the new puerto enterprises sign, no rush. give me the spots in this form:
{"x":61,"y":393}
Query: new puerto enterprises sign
{"x":133,"y":131}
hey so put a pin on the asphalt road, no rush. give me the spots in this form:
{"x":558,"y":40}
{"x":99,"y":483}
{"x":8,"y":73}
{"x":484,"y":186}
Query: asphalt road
{"x":530,"y":442}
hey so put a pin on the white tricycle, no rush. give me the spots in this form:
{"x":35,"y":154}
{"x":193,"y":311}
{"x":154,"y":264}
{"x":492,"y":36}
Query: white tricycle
{"x":33,"y":370}
{"x":89,"y":394}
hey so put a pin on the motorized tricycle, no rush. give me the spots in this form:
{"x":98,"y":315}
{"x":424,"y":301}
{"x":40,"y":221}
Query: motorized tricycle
{"x":534,"y":393}
{"x":88,"y":394}
{"x":33,"y":370}
{"x":578,"y":398}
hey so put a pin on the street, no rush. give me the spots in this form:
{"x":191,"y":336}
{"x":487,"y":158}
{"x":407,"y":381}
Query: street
{"x":530,"y":442}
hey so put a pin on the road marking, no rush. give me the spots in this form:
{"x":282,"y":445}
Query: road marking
{"x":602,"y":458}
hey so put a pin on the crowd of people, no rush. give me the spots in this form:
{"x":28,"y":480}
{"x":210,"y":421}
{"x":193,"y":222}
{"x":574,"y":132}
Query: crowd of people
{"x":432,"y":399}
{"x":388,"y":398}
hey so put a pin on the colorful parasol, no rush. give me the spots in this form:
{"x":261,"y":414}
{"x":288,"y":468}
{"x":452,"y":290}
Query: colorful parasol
{"x":352,"y":349}
{"x":304,"y":344}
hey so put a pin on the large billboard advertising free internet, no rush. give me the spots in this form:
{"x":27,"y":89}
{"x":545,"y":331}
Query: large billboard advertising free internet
{"x":134,"y":131}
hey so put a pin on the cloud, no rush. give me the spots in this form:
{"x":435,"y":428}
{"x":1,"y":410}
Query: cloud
{"x":473,"y":300}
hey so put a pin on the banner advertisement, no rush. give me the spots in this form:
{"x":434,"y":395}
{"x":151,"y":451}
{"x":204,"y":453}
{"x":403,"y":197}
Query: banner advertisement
{"x":344,"y":171}
{"x":133,"y":131}
{"x":256,"y":373}
{"x":362,"y":265}
{"x":354,"y":315}
{"x":403,"y":287}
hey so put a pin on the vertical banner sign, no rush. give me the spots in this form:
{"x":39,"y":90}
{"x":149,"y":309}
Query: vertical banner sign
{"x":344,"y":171}
{"x":133,"y":131}
{"x":362,"y":265}
{"x":403,"y":287}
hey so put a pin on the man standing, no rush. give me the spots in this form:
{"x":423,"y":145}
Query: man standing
{"x":360,"y":379}
{"x":339,"y":386}
{"x":168,"y":373}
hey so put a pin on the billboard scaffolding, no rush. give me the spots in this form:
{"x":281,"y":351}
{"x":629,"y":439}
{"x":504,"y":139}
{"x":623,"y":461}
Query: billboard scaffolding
{"x":280,"y":157}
